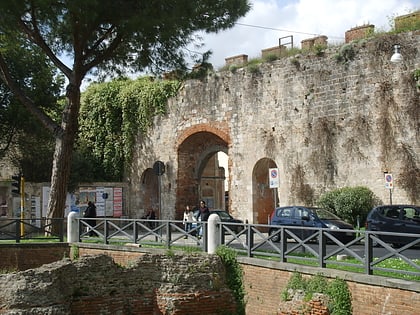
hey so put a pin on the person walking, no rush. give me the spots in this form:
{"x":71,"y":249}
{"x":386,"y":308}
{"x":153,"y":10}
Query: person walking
{"x":203,"y":215}
{"x":188,"y":219}
{"x":90,"y":214}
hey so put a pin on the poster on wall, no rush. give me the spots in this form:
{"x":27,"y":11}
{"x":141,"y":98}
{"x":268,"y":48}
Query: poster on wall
{"x":104,"y":201}
{"x":118,"y":202}
{"x":109,"y":201}
{"x":100,"y":202}
{"x":35,"y":210}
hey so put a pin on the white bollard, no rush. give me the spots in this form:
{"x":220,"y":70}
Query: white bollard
{"x":73,"y":227}
{"x":213,"y":234}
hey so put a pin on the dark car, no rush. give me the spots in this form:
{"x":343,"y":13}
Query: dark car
{"x":394,"y":218}
{"x":309,"y":217}
{"x":225,"y":217}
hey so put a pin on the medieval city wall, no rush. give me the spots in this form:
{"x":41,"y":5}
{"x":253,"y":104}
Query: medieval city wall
{"x":342,"y":117}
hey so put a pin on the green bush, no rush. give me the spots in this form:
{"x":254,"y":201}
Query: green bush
{"x":349,"y":203}
{"x":336,"y":289}
{"x":234,"y":276}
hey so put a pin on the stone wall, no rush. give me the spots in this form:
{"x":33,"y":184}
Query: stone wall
{"x":95,"y":281}
{"x":152,"y":284}
{"x":343,"y":118}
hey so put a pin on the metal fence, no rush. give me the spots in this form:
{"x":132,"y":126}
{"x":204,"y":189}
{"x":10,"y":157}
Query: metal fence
{"x":366,"y":252}
{"x":17,"y":229}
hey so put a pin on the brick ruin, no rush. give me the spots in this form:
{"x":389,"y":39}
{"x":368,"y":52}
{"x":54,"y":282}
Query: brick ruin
{"x":151,"y":284}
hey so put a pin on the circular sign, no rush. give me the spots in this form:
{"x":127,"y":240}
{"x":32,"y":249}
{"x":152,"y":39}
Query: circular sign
{"x":159,"y":168}
{"x":274,"y":173}
{"x":389,"y":181}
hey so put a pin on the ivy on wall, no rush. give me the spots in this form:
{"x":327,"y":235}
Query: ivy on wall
{"x":113,"y":113}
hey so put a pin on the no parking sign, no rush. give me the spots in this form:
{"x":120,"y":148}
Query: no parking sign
{"x":389,"y":181}
{"x":273,"y":177}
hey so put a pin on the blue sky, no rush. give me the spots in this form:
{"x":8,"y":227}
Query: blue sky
{"x":272,"y":19}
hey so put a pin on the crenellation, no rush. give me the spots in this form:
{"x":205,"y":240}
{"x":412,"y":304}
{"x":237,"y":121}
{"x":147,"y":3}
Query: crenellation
{"x":283,"y":96}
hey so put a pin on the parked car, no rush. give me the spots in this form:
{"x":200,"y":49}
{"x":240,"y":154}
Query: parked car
{"x":394,"y":218}
{"x":309,"y":217}
{"x":224,"y":217}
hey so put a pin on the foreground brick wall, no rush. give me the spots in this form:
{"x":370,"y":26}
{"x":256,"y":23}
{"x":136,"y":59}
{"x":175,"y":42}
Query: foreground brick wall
{"x":264,"y":282}
{"x":153,"y":284}
{"x":371,"y":295}
{"x":25,"y":256}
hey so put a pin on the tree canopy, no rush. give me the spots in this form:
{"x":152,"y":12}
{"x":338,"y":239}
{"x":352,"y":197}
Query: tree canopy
{"x":101,"y":35}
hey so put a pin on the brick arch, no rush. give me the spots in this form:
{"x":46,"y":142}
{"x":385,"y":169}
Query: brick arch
{"x":198,"y":171}
{"x":263,"y":196}
{"x":220,"y":131}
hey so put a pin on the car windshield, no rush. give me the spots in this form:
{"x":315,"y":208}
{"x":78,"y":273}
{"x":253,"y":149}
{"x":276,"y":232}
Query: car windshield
{"x":325,"y":214}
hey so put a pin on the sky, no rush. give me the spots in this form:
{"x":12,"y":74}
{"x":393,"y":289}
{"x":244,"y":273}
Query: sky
{"x":269,"y":20}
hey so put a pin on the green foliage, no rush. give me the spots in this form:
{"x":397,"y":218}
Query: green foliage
{"x":27,"y":143}
{"x":337,"y":290}
{"x":408,"y":23}
{"x":349,"y":202}
{"x":319,"y":50}
{"x":293,"y":52}
{"x":340,"y":297}
{"x":74,"y":250}
{"x":113,"y":113}
{"x":345,"y":54}
{"x":296,"y":282}
{"x":295,"y":62}
{"x":253,"y":68}
{"x":103,"y":38}
{"x":170,"y":253}
{"x":271,"y":57}
{"x":234,"y":276}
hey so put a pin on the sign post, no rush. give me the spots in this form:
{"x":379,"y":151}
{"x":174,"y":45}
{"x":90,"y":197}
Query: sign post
{"x":389,"y":184}
{"x":273,"y":180}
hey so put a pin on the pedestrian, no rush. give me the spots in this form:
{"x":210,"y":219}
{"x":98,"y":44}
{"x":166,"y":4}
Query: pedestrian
{"x":188,"y":219}
{"x":203,"y":215}
{"x":151,"y":215}
{"x":204,"y":211}
{"x":90,"y":214}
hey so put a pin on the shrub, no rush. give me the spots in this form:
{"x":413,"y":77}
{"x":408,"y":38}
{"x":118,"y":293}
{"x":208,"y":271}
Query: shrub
{"x":349,"y":203}
{"x":234,"y":276}
{"x":337,"y":291}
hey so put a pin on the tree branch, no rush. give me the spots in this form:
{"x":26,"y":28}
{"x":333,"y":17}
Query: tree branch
{"x":36,"y":37}
{"x":27,"y":102}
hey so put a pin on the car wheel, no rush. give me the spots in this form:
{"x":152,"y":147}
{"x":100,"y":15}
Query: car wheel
{"x":274,"y":238}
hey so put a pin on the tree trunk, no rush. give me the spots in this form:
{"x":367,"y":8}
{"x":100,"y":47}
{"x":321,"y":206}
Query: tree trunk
{"x":62,"y":160}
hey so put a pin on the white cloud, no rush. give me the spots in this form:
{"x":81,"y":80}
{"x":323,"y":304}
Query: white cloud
{"x":272,"y":19}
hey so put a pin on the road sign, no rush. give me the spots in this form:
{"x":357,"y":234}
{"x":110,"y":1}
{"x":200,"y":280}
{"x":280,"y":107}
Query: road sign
{"x":159,"y":168}
{"x":389,"y":183}
{"x":273,"y":177}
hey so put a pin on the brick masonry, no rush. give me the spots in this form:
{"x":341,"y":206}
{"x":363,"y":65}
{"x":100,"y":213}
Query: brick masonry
{"x":95,"y":284}
{"x":107,"y":286}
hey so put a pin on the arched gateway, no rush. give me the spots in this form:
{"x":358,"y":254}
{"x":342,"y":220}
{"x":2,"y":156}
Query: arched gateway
{"x":322,"y":123}
{"x":200,"y":174}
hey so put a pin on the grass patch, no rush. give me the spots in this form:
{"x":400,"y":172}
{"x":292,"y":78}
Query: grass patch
{"x":397,"y":264}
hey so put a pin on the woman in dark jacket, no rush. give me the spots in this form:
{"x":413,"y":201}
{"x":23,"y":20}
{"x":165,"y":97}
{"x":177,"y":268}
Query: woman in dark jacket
{"x":90,"y":213}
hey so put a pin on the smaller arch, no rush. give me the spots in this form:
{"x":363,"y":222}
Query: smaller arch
{"x":264,"y":198}
{"x":204,"y":128}
{"x":205,"y":156}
